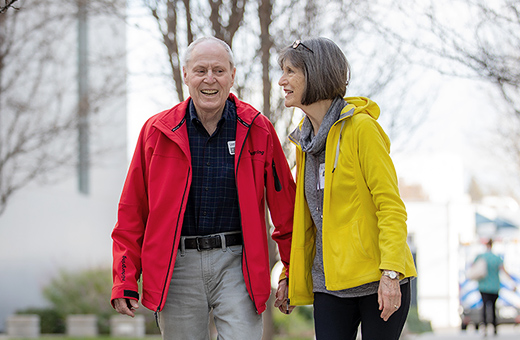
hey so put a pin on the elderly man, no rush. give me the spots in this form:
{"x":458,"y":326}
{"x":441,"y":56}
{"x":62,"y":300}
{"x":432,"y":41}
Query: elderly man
{"x":191,"y":218}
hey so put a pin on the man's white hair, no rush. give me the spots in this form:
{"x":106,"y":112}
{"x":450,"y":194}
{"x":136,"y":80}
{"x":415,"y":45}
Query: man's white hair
{"x":189,"y":51}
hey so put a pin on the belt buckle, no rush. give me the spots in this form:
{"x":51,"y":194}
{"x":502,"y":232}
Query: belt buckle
{"x":198,"y":243}
{"x":203,"y":238}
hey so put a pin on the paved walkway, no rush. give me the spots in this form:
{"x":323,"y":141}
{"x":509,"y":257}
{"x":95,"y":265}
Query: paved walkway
{"x":505,"y":332}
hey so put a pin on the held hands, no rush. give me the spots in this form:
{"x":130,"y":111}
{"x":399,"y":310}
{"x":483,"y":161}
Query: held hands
{"x":126,"y":306}
{"x":281,"y":301}
{"x":389,"y":297}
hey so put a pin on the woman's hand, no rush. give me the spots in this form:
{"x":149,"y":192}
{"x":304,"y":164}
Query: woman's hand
{"x":281,"y":301}
{"x":389,"y":296}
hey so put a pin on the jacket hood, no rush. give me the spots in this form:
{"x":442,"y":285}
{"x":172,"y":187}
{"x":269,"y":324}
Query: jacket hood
{"x":363,"y":105}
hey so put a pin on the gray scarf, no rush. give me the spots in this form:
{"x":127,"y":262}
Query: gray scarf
{"x":314,"y":144}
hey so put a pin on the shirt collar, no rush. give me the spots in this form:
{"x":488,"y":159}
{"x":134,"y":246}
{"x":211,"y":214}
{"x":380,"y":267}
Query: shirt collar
{"x":226,"y":114}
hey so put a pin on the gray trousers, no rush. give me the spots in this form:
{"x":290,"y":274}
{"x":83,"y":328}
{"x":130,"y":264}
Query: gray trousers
{"x":209,"y":280}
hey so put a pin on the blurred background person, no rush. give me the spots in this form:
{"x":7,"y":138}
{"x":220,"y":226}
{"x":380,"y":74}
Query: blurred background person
{"x":489,"y":286}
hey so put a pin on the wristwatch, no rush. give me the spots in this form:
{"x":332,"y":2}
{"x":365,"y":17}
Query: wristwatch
{"x":391,"y":274}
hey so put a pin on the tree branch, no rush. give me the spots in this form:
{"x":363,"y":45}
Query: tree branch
{"x":8,"y":4}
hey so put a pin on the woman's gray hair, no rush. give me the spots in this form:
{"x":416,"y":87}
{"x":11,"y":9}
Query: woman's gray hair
{"x":326,"y":69}
{"x":187,"y":56}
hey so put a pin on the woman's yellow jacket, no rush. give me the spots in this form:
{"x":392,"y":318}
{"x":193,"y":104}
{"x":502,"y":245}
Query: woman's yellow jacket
{"x":364,"y":218}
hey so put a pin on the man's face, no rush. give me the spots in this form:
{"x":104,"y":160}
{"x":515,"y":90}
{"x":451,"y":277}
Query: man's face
{"x":209,"y":77}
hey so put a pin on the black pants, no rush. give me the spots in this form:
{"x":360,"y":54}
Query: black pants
{"x":339,"y":318}
{"x":489,"y":300}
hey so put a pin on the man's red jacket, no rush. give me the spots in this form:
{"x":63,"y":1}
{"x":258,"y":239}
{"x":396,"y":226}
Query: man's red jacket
{"x":151,"y":210}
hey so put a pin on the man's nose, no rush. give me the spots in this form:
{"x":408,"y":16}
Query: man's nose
{"x":210,"y":78}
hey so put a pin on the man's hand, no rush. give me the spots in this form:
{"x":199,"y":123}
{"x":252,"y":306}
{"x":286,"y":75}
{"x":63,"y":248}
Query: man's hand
{"x":126,"y":306}
{"x":281,"y":298}
{"x":388,"y":296}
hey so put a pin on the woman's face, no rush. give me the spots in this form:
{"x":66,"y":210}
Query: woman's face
{"x":293,"y":83}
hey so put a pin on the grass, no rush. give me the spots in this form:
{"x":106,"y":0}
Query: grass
{"x":100,"y":337}
{"x":106,"y":337}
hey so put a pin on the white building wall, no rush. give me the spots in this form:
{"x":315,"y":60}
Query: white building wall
{"x":438,"y":226}
{"x":51,"y":227}
{"x":437,"y":232}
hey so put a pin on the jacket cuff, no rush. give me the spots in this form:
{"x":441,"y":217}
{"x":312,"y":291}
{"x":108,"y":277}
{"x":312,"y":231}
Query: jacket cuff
{"x":127,"y":294}
{"x":283,"y":275}
{"x":131,"y":294}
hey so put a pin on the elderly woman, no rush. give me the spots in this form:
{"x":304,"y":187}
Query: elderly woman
{"x":349,"y":255}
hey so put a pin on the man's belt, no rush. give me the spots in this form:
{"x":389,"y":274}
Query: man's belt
{"x":212,"y":241}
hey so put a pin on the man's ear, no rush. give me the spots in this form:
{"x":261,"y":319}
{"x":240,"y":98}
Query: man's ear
{"x":233,"y":76}
{"x":184,"y":75}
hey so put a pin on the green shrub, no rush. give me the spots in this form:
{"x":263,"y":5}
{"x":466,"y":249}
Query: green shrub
{"x":83,"y":292}
{"x":88,"y":292}
{"x":415,"y":325}
{"x":299,"y":323}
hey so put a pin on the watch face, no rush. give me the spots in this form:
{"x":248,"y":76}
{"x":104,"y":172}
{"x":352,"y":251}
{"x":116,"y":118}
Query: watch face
{"x":391,"y":274}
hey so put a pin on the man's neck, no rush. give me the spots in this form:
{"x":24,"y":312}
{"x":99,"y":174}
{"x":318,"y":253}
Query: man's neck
{"x":210,"y":121}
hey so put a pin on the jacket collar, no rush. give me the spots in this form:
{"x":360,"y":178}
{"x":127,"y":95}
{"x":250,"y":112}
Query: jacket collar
{"x":173,"y":119}
{"x":346,"y":112}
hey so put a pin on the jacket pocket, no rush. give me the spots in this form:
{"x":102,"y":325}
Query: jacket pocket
{"x":235,"y":250}
{"x":344,"y":250}
{"x":277,"y":184}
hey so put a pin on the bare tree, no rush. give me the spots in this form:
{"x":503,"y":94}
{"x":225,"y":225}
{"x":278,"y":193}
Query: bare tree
{"x":379,"y":70}
{"x":178,"y":28}
{"x":483,"y":43}
{"x":7,"y":4}
{"x":38,"y":111}
{"x":167,"y":21}
{"x":473,"y":39}
{"x":486,"y":48}
{"x":235,"y":13}
{"x":265,"y":12}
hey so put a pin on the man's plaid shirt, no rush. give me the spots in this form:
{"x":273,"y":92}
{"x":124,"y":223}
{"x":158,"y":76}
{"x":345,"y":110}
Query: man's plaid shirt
{"x":213,"y":201}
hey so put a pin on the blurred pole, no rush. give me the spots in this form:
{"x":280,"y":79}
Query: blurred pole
{"x":83,"y":101}
{"x":413,"y":283}
{"x":2,"y":42}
